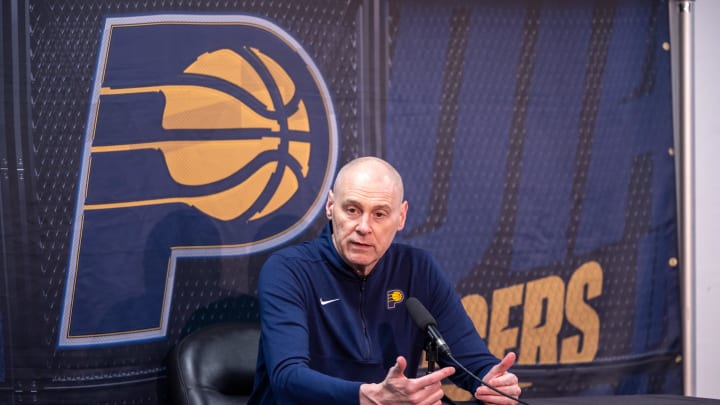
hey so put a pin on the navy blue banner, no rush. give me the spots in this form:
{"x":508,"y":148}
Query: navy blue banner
{"x":164,"y":151}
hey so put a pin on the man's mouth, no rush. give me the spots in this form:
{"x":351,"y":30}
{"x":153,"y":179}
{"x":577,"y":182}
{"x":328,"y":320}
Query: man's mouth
{"x":360,"y":245}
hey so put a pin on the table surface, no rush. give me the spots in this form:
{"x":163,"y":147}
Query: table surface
{"x":618,"y":399}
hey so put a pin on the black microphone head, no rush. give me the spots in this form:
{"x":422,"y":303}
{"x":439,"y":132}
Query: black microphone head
{"x":419,"y":313}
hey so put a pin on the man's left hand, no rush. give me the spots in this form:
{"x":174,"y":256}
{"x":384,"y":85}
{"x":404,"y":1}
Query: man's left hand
{"x":500,"y":378}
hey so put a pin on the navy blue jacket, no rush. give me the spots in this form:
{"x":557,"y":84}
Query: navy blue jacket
{"x":326,"y":330}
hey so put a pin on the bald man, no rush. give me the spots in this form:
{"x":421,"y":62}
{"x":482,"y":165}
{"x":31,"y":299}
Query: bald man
{"x":335,"y":329}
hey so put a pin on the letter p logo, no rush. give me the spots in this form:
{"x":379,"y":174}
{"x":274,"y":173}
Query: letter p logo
{"x":202,"y":132}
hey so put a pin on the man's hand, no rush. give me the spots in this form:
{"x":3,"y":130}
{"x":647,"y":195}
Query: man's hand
{"x":398,"y":389}
{"x":500,"y":378}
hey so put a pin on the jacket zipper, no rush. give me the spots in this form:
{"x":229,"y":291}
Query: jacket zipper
{"x":362,"y":318}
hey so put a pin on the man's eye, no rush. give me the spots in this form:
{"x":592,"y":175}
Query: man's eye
{"x":380,"y":215}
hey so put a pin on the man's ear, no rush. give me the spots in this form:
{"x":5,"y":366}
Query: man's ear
{"x":403,"y":215}
{"x":329,"y":205}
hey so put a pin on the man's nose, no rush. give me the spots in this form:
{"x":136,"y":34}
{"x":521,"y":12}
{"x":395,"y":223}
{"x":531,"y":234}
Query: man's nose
{"x":363,"y":226}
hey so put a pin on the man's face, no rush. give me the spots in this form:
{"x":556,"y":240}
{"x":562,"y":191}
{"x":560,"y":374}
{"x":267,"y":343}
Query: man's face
{"x":366,"y":212}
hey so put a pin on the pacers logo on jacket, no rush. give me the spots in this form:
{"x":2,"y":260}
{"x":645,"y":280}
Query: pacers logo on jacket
{"x":206,"y":136}
{"x":394,"y":297}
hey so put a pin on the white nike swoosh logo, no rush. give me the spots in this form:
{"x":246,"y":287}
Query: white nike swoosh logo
{"x":323,"y":302}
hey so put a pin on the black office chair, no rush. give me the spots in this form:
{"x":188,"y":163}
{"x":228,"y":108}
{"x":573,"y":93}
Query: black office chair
{"x":214,"y":365}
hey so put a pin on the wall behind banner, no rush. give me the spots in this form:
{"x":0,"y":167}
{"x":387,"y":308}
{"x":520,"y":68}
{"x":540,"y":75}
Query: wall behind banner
{"x":535,"y":139}
{"x":707,"y":201}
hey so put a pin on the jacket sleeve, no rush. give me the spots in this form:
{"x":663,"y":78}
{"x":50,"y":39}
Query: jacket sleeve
{"x":457,"y":328}
{"x":285,"y":336}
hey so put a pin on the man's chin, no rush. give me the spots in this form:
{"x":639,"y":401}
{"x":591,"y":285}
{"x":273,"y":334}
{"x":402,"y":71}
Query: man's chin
{"x":360,"y":264}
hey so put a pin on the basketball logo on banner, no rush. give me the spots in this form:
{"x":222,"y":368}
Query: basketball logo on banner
{"x":207,"y":136}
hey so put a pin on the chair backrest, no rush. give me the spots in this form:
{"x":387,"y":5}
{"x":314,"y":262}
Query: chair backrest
{"x":214,"y":365}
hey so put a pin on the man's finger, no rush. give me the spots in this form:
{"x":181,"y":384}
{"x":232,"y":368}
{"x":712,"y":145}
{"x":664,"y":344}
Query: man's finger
{"x":513,"y":390}
{"x":501,"y":367}
{"x":398,"y":370}
{"x":435,"y":376}
{"x":505,"y":379}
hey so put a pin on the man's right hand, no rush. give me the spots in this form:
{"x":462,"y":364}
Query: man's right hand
{"x":398,"y":389}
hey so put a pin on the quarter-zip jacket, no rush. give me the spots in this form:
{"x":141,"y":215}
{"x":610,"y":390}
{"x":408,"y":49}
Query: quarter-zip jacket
{"x":326,"y":330}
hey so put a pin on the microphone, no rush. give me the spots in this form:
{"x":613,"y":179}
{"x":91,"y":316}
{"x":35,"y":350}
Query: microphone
{"x":425,"y":321}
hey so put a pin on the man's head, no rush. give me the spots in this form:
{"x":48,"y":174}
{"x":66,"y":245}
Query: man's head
{"x":367,"y":209}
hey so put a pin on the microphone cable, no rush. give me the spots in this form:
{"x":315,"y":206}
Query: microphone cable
{"x":457,"y":363}
{"x":425,"y":321}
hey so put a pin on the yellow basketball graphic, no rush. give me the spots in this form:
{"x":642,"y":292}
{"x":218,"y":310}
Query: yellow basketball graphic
{"x":199,"y":162}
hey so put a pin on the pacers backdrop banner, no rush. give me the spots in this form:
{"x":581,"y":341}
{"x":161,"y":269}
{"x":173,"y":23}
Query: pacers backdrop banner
{"x":156,"y":153}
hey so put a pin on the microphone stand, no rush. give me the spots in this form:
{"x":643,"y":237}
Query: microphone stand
{"x":431,"y":355}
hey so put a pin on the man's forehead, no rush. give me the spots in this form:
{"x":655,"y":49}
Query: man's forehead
{"x":367,"y":181}
{"x":371,"y":203}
